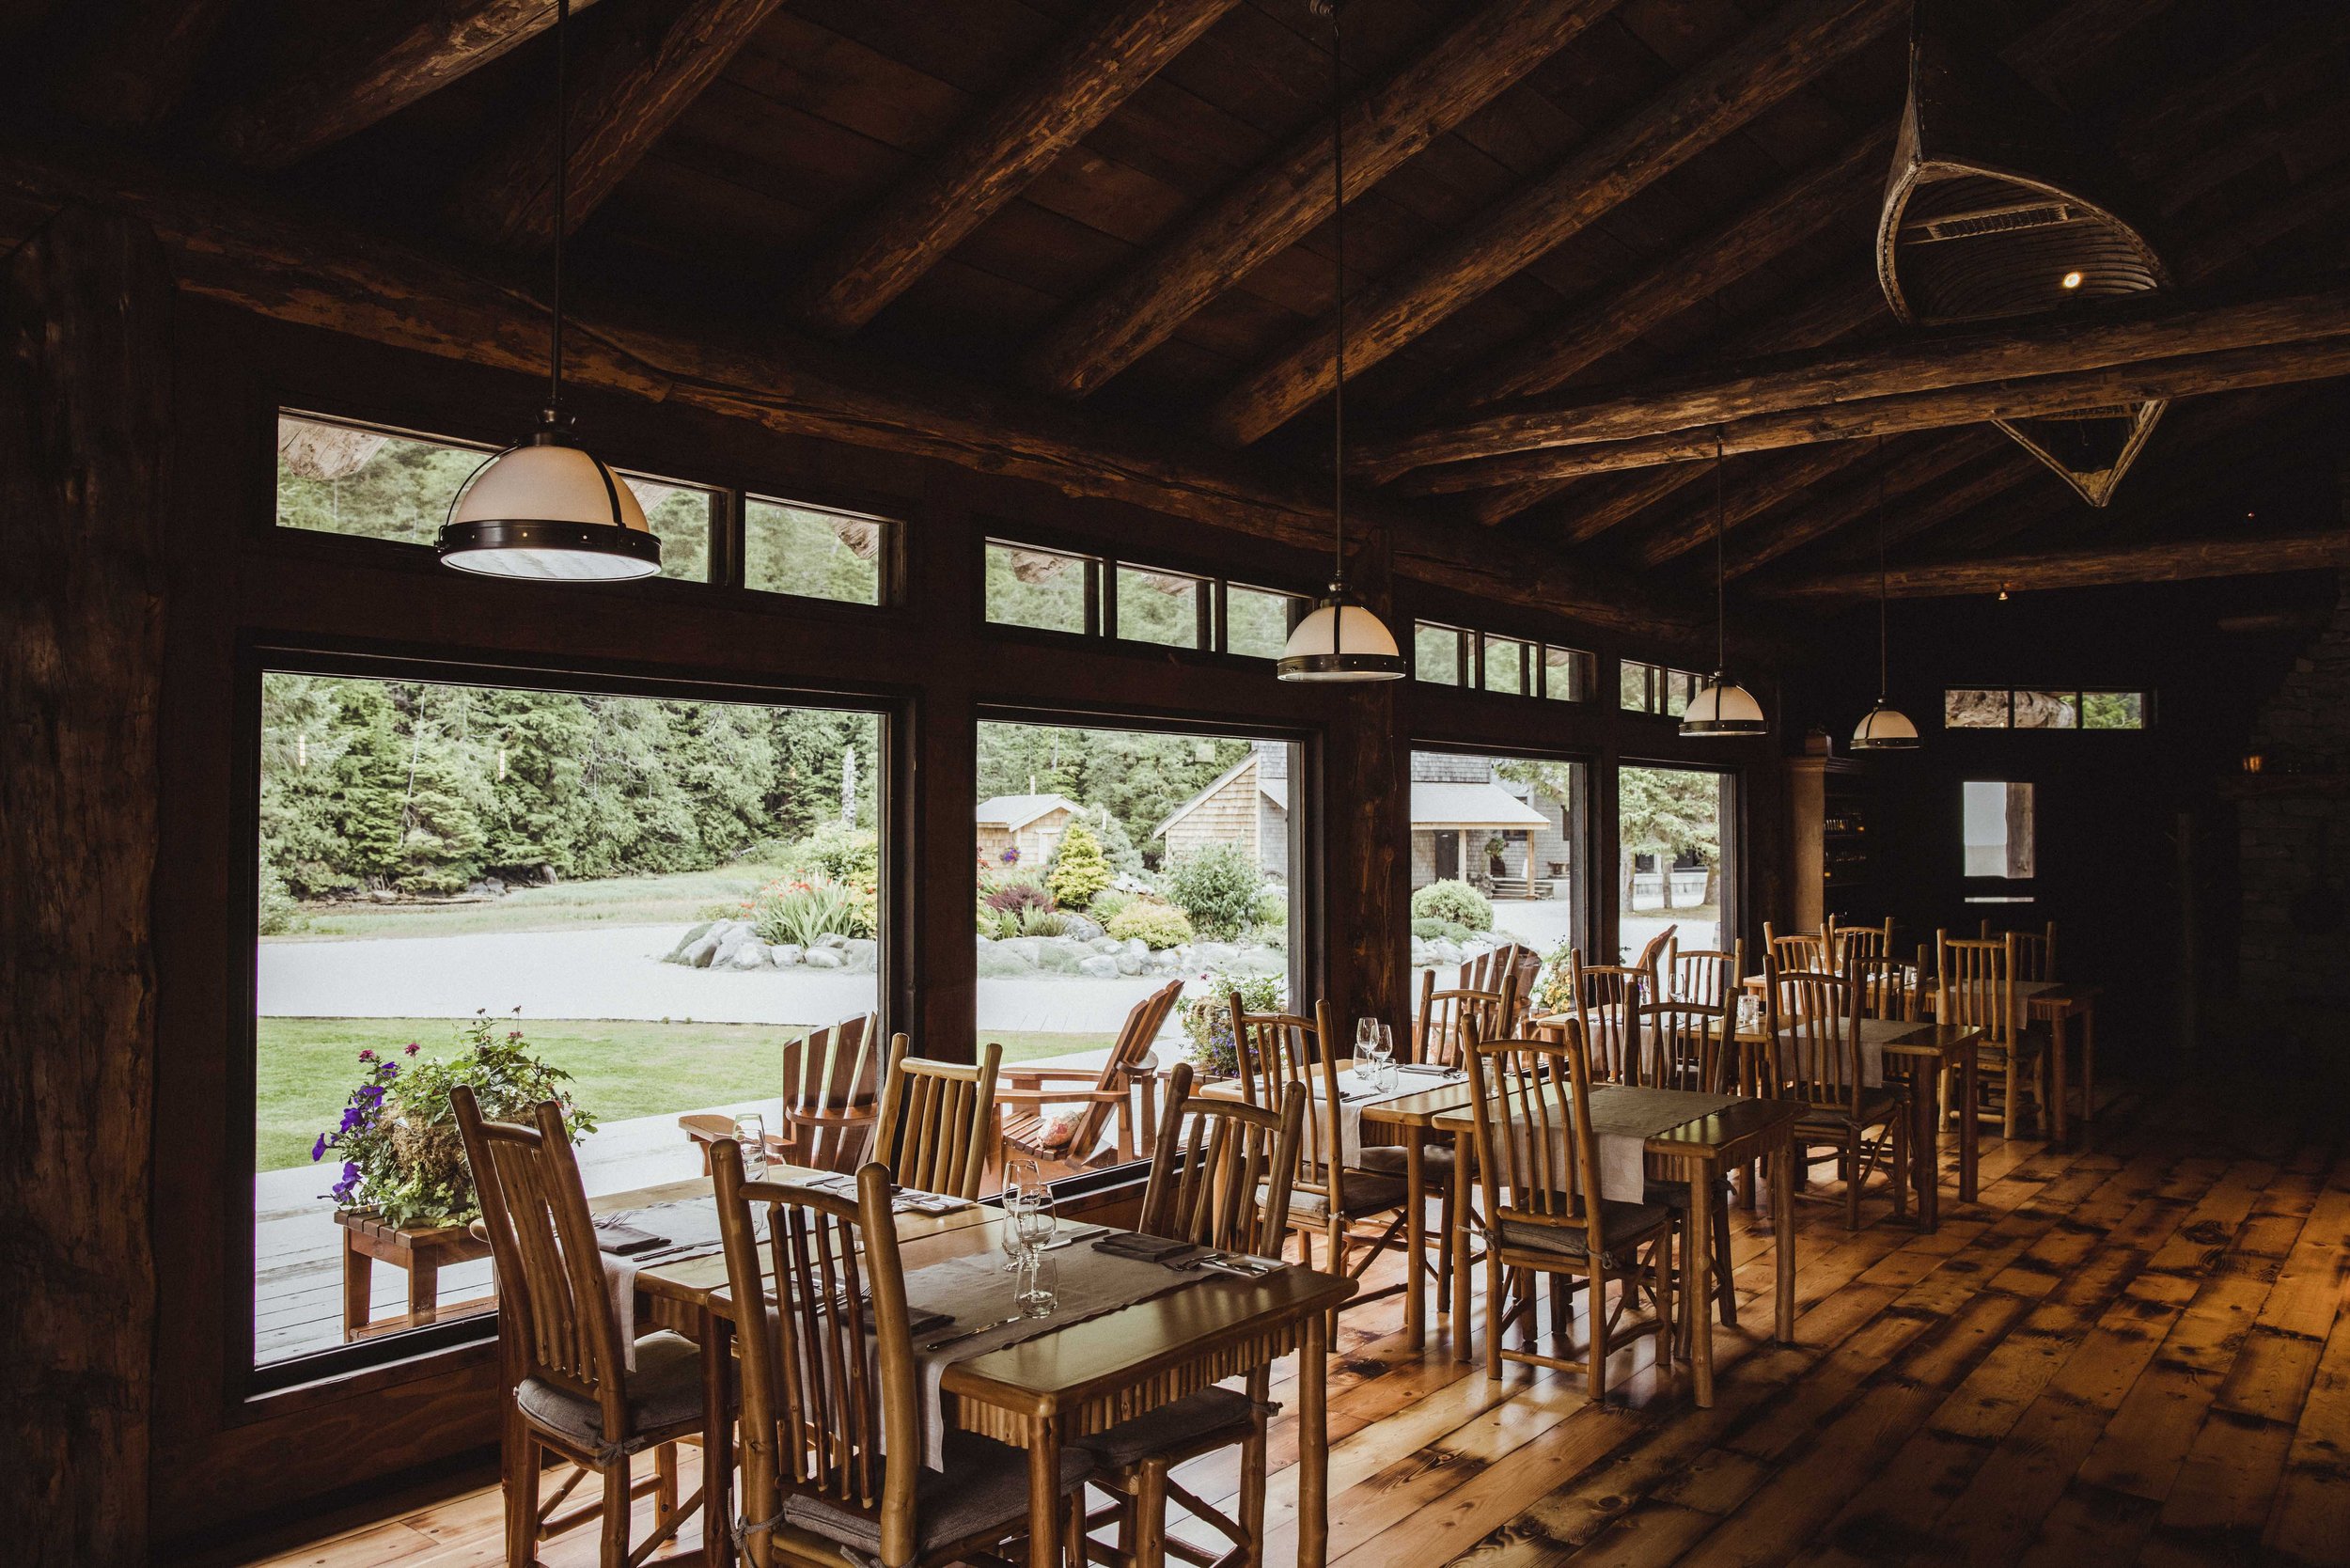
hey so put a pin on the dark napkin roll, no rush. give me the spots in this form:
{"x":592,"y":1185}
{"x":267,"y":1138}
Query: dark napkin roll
{"x":1149,"y":1249}
{"x":919,"y":1321}
{"x":626,"y":1240}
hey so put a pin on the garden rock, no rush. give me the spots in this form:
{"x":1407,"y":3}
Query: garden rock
{"x":861,"y":951}
{"x":1104,"y":945}
{"x":1214,"y":955}
{"x":783,"y":955}
{"x":1062,"y":955}
{"x":833,"y":940}
{"x":1100,"y":967}
{"x":702,"y":951}
{"x":751,"y":955}
{"x":995,"y":963}
{"x":1083,"y":928}
{"x":1131,"y":964}
{"x":1025,"y":948}
{"x":693,"y":935}
{"x":1260,"y":961}
{"x":825,"y":958}
{"x":730,"y":944}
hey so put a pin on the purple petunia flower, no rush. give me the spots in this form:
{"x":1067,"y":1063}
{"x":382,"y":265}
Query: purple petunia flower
{"x":371,"y":1091}
{"x":351,"y":1118}
{"x":317,"y":1150}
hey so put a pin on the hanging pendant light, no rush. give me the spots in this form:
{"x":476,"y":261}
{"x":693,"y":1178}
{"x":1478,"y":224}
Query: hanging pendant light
{"x":1883,"y":728}
{"x":546,"y":507}
{"x":1340,"y":640}
{"x":1721,"y":706}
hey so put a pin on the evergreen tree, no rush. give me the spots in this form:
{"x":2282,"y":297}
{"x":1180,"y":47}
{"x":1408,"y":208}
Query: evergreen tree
{"x":1080,"y":871}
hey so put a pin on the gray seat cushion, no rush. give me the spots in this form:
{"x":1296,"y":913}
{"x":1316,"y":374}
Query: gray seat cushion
{"x":1169,"y":1427}
{"x":984,"y":1486}
{"x":1435,"y":1162}
{"x":664,"y":1394}
{"x":1627,"y":1224}
{"x":1366,"y":1193}
{"x":1877,"y":1107}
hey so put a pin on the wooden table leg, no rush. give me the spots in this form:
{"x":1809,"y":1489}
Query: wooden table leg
{"x":717,"y":1441}
{"x":1313,"y":1445}
{"x":424,"y":1286}
{"x":2089,"y":1063}
{"x":1044,"y":1494}
{"x":1698,"y":1247}
{"x":2056,"y":1128}
{"x":1925,"y":1085}
{"x":1969,"y":1127}
{"x":358,"y":1287}
{"x":1464,"y":1148}
{"x":1784,"y":1235}
{"x":1415,"y":1242}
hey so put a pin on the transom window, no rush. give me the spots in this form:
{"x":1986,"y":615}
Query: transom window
{"x":1655,"y":689}
{"x":2032,"y":708}
{"x":1446,"y":655}
{"x":1096,"y":596}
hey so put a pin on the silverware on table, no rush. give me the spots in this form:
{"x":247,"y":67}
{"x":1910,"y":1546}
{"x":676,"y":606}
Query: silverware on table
{"x":956,"y":1338}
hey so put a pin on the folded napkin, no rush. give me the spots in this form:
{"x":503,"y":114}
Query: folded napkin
{"x":615,"y":1235}
{"x":1149,"y":1249}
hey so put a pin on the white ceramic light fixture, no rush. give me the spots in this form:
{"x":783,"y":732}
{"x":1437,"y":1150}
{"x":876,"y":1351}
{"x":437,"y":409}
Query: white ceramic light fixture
{"x":1721,"y":706}
{"x":1340,"y":640}
{"x":1883,"y":728}
{"x":545,"y":507}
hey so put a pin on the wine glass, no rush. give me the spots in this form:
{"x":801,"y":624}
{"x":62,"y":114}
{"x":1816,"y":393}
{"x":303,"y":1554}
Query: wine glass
{"x":1008,"y":1235}
{"x":750,"y":1131}
{"x":1024,"y":1180}
{"x":1034,"y":1294}
{"x":1383,"y":1055}
{"x":1035,"y":1219}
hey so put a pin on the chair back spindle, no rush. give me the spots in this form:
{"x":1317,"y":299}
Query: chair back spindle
{"x":1979,"y":986}
{"x":1536,"y":1157}
{"x":1703,"y":977}
{"x":937,"y":1125}
{"x":1277,"y":1049}
{"x":1815,"y":1032}
{"x":1221,"y":1173}
{"x":1681,"y":1043}
{"x":1448,"y":1020}
{"x":1607,"y":996}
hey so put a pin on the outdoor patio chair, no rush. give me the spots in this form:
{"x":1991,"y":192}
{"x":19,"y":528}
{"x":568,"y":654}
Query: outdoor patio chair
{"x":1210,"y":1156}
{"x":1652,"y":955}
{"x":830,"y":1079}
{"x":938,"y":1126}
{"x":1538,"y":1170}
{"x":1487,"y":970}
{"x":1067,"y":1135}
{"x":831,"y":1449}
{"x":1816,"y":1057}
{"x":567,"y":1385}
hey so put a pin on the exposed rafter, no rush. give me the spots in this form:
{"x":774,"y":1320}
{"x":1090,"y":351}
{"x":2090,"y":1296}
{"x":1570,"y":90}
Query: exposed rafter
{"x":641,"y":76}
{"x":1764,"y":66}
{"x":1751,"y":497}
{"x":360,"y":75}
{"x":1908,"y":511}
{"x":138,"y":65}
{"x":1266,"y":211}
{"x":2168,"y":561}
{"x":990,"y":160}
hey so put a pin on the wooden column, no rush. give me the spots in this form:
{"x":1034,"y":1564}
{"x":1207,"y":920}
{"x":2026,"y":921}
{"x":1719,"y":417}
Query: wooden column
{"x":1367,"y":832}
{"x":85,"y":402}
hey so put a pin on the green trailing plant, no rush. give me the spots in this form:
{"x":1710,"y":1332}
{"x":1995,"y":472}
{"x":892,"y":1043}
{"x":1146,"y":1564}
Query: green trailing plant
{"x":403,"y":1157}
{"x":1456,"y":902}
{"x":1217,"y":886}
{"x":1447,"y":931}
{"x":1159,"y":925}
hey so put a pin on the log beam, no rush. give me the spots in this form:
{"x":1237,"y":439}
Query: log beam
{"x":1907,"y":514}
{"x":254,"y":253}
{"x":366,"y":74}
{"x":640,"y":77}
{"x":139,"y":64}
{"x":2029,"y":397}
{"x":1784,"y":217}
{"x":992,"y":158}
{"x":1746,"y":497}
{"x":1925,"y":363}
{"x":1761,"y":68}
{"x":2171,"y":561}
{"x":1269,"y":210}
{"x":86,"y":403}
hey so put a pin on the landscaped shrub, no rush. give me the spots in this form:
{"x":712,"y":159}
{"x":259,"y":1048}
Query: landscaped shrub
{"x":279,"y":912}
{"x":1159,"y":925}
{"x":1456,"y":902}
{"x":841,"y":852}
{"x":1445,"y":931}
{"x":1217,"y":886}
{"x":800,"y":912}
{"x":1272,"y":909}
{"x":1080,"y":870}
{"x":1207,"y":1016}
{"x":1015,"y":895}
{"x":1042,"y":922}
{"x":1105,"y":907}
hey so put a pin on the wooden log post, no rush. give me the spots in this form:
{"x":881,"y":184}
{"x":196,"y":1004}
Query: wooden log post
{"x":86,"y":398}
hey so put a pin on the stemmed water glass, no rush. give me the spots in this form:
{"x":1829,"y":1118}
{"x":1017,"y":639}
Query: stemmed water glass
{"x":750,"y":1131}
{"x":1381,"y":1053}
{"x":1024,"y":1182}
{"x":1033,"y":1221}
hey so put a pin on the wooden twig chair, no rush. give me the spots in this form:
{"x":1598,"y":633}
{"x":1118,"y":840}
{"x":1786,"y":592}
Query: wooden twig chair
{"x":1815,"y":1050}
{"x":831,"y":1077}
{"x":938,"y":1126}
{"x":1607,"y":996}
{"x":1687,"y":1046}
{"x":1702,"y":976}
{"x":1329,"y":1196}
{"x":1538,"y":1168}
{"x":1487,"y":970}
{"x":1978,"y":988}
{"x":1065,"y":1142}
{"x":832,"y":1451}
{"x":567,"y":1386}
{"x":1449,"y":1022}
{"x":1220,"y":1177}
{"x":1889,"y":985}
{"x":2035,"y":952}
{"x":1796,"y":951}
{"x":1845,"y":941}
{"x":1651,"y":959}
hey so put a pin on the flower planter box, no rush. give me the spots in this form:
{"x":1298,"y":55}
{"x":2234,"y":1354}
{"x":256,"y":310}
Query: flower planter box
{"x":368,"y":1240}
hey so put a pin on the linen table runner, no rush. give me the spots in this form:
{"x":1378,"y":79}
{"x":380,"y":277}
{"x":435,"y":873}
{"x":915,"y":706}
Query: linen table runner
{"x":1623,"y":1119}
{"x":1354,"y":1092}
{"x":688,"y":1228}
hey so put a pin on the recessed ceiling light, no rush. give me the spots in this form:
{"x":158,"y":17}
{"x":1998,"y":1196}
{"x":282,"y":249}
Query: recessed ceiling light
{"x":2071,"y":280}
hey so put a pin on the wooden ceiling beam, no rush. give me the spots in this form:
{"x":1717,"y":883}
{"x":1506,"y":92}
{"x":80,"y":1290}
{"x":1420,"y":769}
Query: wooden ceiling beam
{"x":2166,"y":561}
{"x":1764,"y":66}
{"x":139,"y":64}
{"x":251,"y":252}
{"x":638,"y":80}
{"x":1745,"y":497}
{"x":2030,"y":396}
{"x":365,"y":74}
{"x":1784,"y":217}
{"x":2154,"y":327}
{"x":993,"y":157}
{"x":1268,"y":211}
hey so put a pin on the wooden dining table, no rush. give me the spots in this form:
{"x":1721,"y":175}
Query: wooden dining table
{"x":1043,"y":1392}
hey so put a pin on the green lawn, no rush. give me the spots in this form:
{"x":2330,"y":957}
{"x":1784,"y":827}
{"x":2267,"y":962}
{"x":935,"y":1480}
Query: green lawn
{"x":308,"y":1066}
{"x":678,"y":898}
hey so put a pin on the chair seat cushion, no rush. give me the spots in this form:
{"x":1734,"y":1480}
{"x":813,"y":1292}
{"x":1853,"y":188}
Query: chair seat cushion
{"x":1435,"y":1162}
{"x":984,"y":1486}
{"x":1170,"y":1428}
{"x":664,"y":1396}
{"x":1366,"y":1193}
{"x":1627,"y":1226}
{"x":1877,"y":1105}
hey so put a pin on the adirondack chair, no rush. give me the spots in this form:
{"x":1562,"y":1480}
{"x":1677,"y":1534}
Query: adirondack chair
{"x":831,"y":1096}
{"x":1060,"y":1128}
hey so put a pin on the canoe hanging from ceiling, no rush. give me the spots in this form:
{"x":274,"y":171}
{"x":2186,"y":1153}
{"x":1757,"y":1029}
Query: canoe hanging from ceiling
{"x":1998,"y":208}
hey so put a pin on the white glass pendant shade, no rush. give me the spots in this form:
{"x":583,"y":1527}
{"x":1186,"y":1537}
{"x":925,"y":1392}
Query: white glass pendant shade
{"x":1722,"y":707}
{"x":1340,"y":640}
{"x":548,"y":508}
{"x":1885,"y":727}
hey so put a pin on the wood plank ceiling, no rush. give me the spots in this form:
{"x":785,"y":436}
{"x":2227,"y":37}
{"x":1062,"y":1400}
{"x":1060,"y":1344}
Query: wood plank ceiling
{"x":1627,"y":224}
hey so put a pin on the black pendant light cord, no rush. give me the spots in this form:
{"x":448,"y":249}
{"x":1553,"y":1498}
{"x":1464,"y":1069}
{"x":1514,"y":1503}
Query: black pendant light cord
{"x":1721,"y":597}
{"x":1884,"y":634}
{"x":562,"y":192}
{"x":1337,"y":238}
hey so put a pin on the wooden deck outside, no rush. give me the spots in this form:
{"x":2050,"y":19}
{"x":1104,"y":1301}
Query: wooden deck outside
{"x":2135,"y":1352}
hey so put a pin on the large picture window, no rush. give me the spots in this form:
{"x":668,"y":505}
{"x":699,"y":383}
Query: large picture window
{"x":630,"y":902}
{"x":1497,"y":857}
{"x":1676,"y":850}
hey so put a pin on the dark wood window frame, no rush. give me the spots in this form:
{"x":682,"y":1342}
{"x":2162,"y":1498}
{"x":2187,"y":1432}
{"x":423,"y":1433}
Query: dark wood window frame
{"x":1102,"y":568}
